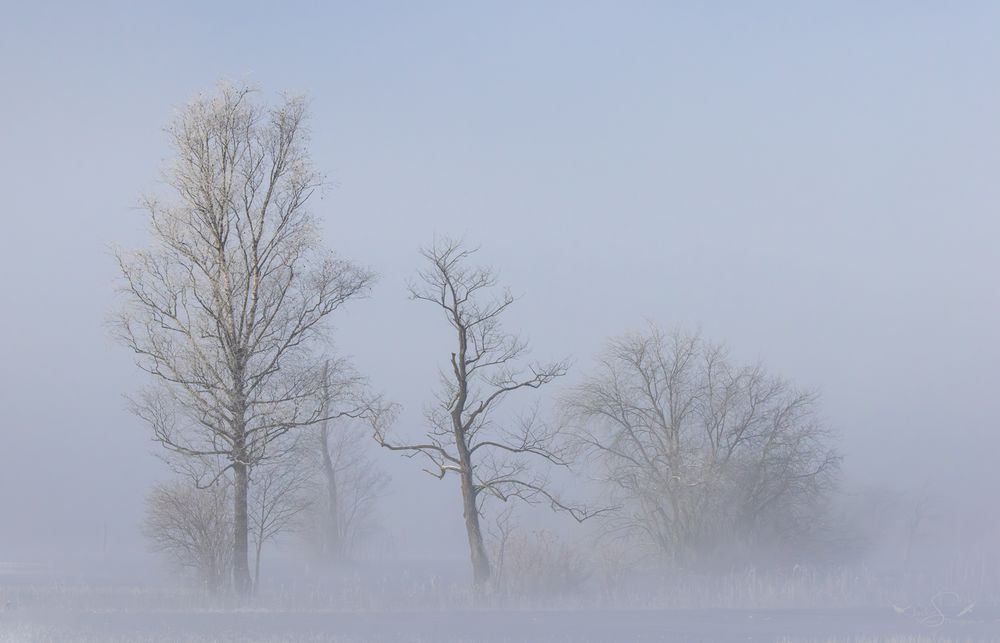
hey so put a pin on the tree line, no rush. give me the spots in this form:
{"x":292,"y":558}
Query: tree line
{"x":228,"y":312}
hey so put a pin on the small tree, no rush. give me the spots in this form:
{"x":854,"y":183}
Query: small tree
{"x":701,"y":453}
{"x":192,"y":527}
{"x":540,"y":565}
{"x":490,"y":458}
{"x":278,"y":498}
{"x":227,"y":310}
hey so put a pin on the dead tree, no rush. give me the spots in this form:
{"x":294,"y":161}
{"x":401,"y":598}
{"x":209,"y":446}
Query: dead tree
{"x":227,"y":308}
{"x":701,"y":453}
{"x":465,"y":438}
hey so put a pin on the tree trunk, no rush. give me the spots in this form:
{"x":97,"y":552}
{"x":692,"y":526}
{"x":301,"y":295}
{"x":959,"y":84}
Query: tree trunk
{"x":241,"y":567}
{"x":333,"y":542}
{"x":477,"y":550}
{"x":256,"y":565}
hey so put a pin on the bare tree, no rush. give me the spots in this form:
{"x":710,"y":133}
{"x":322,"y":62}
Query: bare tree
{"x":227,"y":308}
{"x":193,"y":528}
{"x":499,"y":534}
{"x":352,"y":485}
{"x":278,"y":497}
{"x":697,"y":449}
{"x":346,"y":487}
{"x":490,"y":458}
{"x":346,"y":482}
{"x":920,"y":509}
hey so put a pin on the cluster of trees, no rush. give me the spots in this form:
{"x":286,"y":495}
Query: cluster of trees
{"x":324,"y":489}
{"x":228,"y":312}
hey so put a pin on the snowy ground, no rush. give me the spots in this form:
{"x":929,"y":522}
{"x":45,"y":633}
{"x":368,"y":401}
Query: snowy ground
{"x":485,"y":625}
{"x":849,"y":605}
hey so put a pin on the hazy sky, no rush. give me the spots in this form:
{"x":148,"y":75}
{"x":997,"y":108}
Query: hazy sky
{"x":816,"y":187}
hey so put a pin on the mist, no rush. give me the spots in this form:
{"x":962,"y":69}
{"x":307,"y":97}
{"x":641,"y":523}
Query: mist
{"x":811,"y":190}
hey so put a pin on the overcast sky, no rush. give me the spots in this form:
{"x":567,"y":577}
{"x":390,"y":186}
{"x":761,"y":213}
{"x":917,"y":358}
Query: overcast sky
{"x":816,"y":187}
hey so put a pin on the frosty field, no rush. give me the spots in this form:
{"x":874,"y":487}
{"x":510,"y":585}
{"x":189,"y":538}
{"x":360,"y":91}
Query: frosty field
{"x":482,"y":625}
{"x":846,"y":606}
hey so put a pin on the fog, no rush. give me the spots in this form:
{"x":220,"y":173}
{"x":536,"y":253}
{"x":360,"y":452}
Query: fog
{"x":814,"y":187}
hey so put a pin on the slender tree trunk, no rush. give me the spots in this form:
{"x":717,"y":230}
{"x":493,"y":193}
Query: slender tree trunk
{"x":241,"y":567}
{"x":213,"y":582}
{"x":333,"y":543}
{"x":256,"y":565}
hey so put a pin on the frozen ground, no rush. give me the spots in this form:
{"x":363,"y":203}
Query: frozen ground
{"x":414,"y":605}
{"x":486,"y":625}
{"x":57,"y":615}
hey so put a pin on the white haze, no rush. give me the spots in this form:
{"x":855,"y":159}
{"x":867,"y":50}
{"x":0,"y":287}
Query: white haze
{"x":816,"y":187}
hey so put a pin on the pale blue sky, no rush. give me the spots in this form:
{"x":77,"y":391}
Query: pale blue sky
{"x":815,"y":185}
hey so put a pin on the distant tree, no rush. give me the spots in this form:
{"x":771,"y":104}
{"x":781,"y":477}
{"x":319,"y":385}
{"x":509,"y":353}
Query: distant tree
{"x":347,"y":485}
{"x":278,"y":498}
{"x":192,"y":527}
{"x":492,"y":459}
{"x":921,"y":508}
{"x":227,"y":309}
{"x":700,"y":453}
{"x":345,"y":481}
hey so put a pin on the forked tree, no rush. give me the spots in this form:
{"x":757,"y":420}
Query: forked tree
{"x":226,"y":309}
{"x":492,"y":456}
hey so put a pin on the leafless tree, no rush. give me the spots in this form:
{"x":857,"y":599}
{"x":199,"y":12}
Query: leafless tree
{"x":278,"y":497}
{"x":491,"y":459}
{"x":353,"y":485}
{"x":227,"y":309}
{"x":193,"y":528}
{"x":920,"y":510}
{"x":499,"y":535}
{"x":697,"y":449}
{"x":346,"y":480}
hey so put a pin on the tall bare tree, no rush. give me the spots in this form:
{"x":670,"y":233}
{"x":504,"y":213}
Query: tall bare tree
{"x":491,"y":458}
{"x":697,"y":449}
{"x":227,"y":308}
